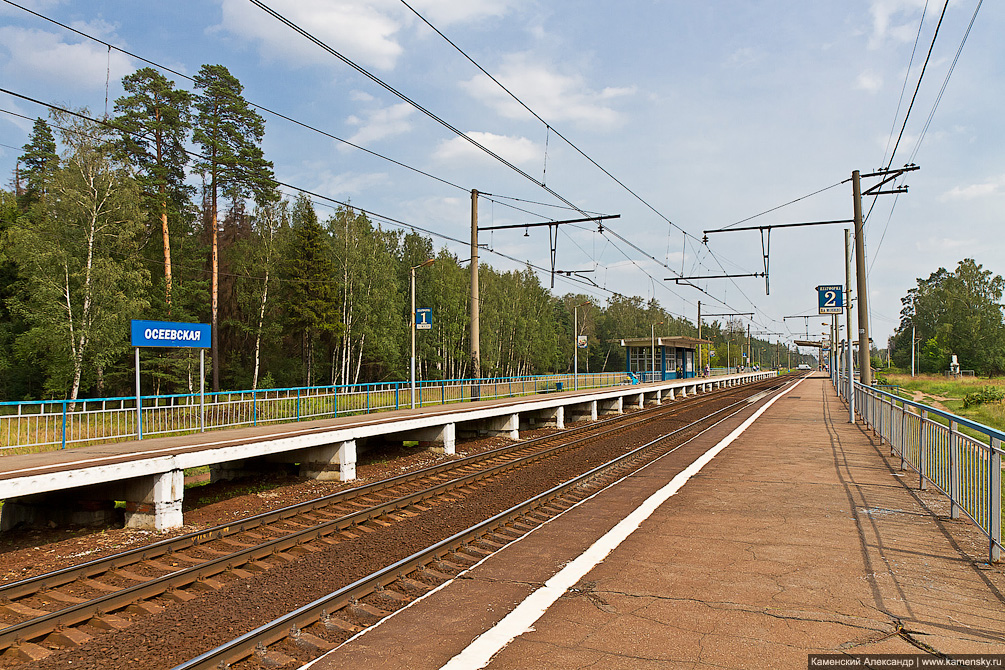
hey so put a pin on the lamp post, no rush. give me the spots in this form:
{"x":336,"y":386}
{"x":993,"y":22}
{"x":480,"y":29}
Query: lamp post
{"x":653,"y":335}
{"x":575,"y":345}
{"x":412,"y":320}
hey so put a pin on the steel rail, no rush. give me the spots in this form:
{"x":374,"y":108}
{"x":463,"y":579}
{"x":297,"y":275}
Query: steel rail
{"x":278,"y":629}
{"x":26,"y":587}
{"x":82,"y":612}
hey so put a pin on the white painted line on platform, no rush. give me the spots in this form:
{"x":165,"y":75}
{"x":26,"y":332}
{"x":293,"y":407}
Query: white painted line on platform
{"x":60,"y":467}
{"x":520,"y":620}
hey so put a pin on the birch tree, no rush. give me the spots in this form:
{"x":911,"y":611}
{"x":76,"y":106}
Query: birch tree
{"x":368,"y":295}
{"x":83,"y":280}
{"x":255,"y":262}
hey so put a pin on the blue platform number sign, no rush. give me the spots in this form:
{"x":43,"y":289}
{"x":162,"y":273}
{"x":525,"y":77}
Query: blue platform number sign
{"x":168,"y":334}
{"x":423,"y":318}
{"x":830,"y":299}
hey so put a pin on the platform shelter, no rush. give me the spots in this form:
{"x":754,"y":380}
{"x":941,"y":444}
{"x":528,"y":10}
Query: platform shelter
{"x":662,"y":358}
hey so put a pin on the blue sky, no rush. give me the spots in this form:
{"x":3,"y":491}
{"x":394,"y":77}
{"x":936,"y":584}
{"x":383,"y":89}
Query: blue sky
{"x":710,"y":111}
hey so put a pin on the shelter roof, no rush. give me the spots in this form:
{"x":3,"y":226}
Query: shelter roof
{"x":680,"y":341}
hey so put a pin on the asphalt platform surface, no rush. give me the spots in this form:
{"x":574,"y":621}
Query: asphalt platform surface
{"x":800,"y":536}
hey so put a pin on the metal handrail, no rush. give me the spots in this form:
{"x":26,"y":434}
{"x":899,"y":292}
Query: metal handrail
{"x":967,"y":469}
{"x":32,"y":426}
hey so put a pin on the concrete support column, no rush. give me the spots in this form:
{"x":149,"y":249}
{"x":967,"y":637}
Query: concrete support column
{"x":507,"y":425}
{"x":440,"y":439}
{"x":554,"y":417}
{"x":612,"y":406}
{"x":329,"y":462}
{"x":683,"y":391}
{"x":154,"y":502}
{"x":671,"y":395}
{"x":642,"y":400}
{"x":584,"y":411}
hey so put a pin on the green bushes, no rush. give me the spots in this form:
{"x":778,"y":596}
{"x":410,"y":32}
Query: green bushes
{"x":987,"y":394}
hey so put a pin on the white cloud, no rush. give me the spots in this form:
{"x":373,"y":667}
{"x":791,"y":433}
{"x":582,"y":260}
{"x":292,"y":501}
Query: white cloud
{"x":555,"y":96}
{"x":517,"y":150}
{"x":359,"y":30}
{"x":869,"y":81}
{"x":884,"y":15}
{"x":974,"y":191}
{"x":445,"y":12}
{"x":40,"y":6}
{"x":381,"y":123}
{"x":743,"y":57}
{"x":347,"y":183}
{"x":25,"y":125}
{"x":45,"y":56}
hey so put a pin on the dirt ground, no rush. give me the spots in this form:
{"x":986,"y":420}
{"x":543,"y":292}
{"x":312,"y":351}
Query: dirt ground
{"x":26,"y":553}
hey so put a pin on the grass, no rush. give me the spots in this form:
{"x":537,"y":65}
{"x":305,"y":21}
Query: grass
{"x":935,"y":388}
{"x":34,"y":433}
{"x":950,"y":394}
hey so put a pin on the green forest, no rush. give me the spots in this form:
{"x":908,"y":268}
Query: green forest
{"x":958,"y":312}
{"x":103,"y":225}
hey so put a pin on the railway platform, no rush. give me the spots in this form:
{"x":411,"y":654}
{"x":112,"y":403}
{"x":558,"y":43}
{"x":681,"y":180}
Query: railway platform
{"x":797,"y":536}
{"x":81,"y":485}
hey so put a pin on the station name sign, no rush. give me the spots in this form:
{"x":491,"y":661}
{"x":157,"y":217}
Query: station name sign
{"x":830,"y":299}
{"x":168,"y":334}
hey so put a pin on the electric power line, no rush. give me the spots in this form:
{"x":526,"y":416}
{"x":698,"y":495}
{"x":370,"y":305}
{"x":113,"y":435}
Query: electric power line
{"x":921,"y":77}
{"x":390,"y":89}
{"x":258,"y":106}
{"x":406,"y":99}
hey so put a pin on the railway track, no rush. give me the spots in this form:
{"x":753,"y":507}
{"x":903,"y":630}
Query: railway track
{"x":306,"y":632}
{"x":69,"y":607}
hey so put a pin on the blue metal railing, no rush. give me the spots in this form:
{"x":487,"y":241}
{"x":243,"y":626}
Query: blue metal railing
{"x":31,"y":426}
{"x":966,"y":467}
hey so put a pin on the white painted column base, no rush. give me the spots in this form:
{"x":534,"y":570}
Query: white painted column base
{"x":330,"y":462}
{"x":154,"y":502}
{"x":507,"y":425}
{"x":441,"y":440}
{"x":554,"y":417}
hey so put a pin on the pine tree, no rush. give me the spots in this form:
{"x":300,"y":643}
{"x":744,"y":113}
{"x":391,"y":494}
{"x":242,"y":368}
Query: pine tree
{"x":312,"y":301}
{"x":39,"y":161}
{"x":155,"y":119}
{"x":230,"y":133}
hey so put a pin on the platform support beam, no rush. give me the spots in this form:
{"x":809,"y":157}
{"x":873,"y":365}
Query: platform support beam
{"x":507,"y":425}
{"x":334,"y":462}
{"x":439,"y":439}
{"x":154,"y":502}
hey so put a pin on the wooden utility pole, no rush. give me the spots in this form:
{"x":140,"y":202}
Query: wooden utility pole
{"x":864,"y":350}
{"x":476,"y":364}
{"x":750,"y":362}
{"x":699,"y":337}
{"x":849,"y":364}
